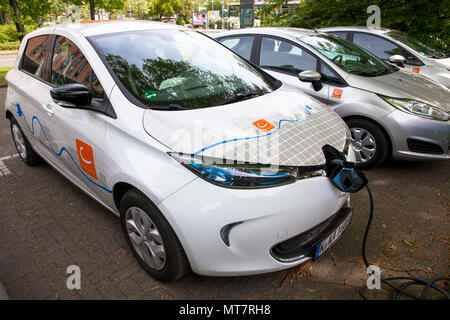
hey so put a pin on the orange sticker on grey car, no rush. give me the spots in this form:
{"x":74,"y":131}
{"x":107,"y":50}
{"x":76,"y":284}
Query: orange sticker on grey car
{"x":416,"y":70}
{"x":86,"y":157}
{"x":337,"y":93}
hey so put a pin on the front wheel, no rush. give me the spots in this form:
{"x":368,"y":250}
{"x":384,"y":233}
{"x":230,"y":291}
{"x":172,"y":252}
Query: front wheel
{"x":26,"y":152}
{"x":369,"y":142}
{"x":151,"y":238}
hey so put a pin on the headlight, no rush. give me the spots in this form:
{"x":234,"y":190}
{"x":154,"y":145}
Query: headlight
{"x":418,"y":108}
{"x":251,"y":176}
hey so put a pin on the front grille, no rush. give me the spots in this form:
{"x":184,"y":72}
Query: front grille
{"x":304,"y":244}
{"x":423,"y":147}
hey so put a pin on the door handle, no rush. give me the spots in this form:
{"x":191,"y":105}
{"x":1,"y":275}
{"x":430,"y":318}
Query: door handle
{"x":48,"y":108}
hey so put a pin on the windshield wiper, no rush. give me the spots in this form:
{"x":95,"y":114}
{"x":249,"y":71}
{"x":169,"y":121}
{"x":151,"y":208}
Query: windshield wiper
{"x":241,"y":97}
{"x":171,"y":106}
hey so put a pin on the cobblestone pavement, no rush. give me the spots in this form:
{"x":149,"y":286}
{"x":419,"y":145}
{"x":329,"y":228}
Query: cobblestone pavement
{"x":47,"y":224}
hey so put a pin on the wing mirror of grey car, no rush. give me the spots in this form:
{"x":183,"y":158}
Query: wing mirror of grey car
{"x":71,"y":95}
{"x":397,"y":59}
{"x":311,"y":76}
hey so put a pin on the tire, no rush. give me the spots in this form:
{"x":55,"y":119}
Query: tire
{"x":23,"y":146}
{"x":370,"y":143}
{"x":136,"y":208}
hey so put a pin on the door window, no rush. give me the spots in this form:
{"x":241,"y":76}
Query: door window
{"x":69,"y":65}
{"x":284,"y":56}
{"x":381,"y":48}
{"x":34,"y":57}
{"x":241,"y":45}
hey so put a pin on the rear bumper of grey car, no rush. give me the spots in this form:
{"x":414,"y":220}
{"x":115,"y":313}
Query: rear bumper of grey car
{"x":417,"y":138}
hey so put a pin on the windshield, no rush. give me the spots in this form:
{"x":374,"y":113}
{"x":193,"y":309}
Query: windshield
{"x":422,"y":48}
{"x":347,"y":56}
{"x":179,"y":69}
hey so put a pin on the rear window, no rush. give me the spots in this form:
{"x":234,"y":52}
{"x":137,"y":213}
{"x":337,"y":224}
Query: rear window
{"x":34,"y":56}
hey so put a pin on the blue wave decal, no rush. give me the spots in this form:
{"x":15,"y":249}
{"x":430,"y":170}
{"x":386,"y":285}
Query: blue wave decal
{"x":58,"y":154}
{"x":247,"y":138}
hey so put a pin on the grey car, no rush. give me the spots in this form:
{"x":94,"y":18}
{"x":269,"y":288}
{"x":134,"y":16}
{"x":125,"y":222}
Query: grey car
{"x":390,"y":112}
{"x":388,"y":45}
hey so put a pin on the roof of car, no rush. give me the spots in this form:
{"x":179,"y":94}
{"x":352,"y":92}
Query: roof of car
{"x":356,"y":28}
{"x":293,"y":32}
{"x":92,"y":28}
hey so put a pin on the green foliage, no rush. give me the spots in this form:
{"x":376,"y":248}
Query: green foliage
{"x":164,"y":8}
{"x":8,"y":46}
{"x":426,"y":20}
{"x":180,"y":21}
{"x":3,"y":72}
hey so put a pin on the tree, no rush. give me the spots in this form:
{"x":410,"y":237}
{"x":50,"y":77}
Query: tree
{"x":17,"y":19}
{"x":164,"y":8}
{"x":426,"y":20}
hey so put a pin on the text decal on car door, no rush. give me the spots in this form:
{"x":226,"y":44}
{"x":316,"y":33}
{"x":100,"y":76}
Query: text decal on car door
{"x":86,"y":158}
{"x":337,"y":93}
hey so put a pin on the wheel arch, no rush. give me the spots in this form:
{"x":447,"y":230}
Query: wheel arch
{"x":119,"y":189}
{"x":9,"y":114}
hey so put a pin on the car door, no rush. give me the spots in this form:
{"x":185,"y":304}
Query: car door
{"x":76,"y":135}
{"x":31,"y":91}
{"x":284,"y":60}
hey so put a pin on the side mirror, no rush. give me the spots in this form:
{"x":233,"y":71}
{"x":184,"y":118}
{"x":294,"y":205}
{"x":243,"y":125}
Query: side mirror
{"x":397,"y":59}
{"x":311,"y":76}
{"x":71,"y":95}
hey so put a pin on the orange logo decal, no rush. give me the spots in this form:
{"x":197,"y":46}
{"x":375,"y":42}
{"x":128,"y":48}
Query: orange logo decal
{"x":263,"y":125}
{"x":86,"y":157}
{"x":416,"y":69}
{"x":337,"y":93}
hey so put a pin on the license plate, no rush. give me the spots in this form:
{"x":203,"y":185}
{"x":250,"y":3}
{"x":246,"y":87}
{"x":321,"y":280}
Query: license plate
{"x":332,"y":237}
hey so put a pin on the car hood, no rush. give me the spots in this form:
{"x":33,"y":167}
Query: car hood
{"x":405,"y":84}
{"x":284,"y":127}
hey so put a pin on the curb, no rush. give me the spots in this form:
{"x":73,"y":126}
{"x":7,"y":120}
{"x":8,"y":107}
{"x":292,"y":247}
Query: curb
{"x":3,"y":294}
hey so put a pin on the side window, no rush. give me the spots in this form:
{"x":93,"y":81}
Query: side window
{"x":69,"y":65}
{"x":340,"y":34}
{"x":34,"y":56}
{"x":282,"y":55}
{"x":241,"y":45}
{"x":328,"y":74}
{"x":381,"y":48}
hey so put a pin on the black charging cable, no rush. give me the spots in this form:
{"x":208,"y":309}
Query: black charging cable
{"x":409,"y":281}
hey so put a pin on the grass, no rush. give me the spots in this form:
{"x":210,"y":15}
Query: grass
{"x":3,"y":71}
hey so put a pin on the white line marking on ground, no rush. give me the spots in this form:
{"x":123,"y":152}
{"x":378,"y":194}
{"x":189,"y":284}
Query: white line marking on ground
{"x":4,"y":171}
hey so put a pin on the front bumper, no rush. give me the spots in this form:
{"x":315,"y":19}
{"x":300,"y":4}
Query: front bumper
{"x":417,"y":138}
{"x":260,"y":218}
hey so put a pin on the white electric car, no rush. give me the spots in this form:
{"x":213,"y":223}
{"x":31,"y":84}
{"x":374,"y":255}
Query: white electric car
{"x":211,"y":163}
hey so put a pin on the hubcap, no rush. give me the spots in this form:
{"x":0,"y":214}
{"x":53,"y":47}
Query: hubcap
{"x":363,"y":143}
{"x":145,"y":238}
{"x":19,"y":140}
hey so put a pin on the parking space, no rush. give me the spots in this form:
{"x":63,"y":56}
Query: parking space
{"x":47,"y":224}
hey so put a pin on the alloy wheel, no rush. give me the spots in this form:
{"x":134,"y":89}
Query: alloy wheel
{"x":145,"y":237}
{"x":363,"y":143}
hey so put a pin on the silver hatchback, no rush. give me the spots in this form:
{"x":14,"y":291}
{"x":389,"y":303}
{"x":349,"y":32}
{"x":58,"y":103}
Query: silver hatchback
{"x":388,"y":45}
{"x":389,"y":111}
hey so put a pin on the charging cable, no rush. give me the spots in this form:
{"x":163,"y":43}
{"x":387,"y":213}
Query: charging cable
{"x":409,"y":281}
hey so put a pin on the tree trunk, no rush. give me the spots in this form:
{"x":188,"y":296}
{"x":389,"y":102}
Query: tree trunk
{"x":92,"y":9}
{"x":18,"y":20}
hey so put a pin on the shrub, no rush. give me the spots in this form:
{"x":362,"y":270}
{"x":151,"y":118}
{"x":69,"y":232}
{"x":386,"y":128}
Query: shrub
{"x":13,"y":45}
